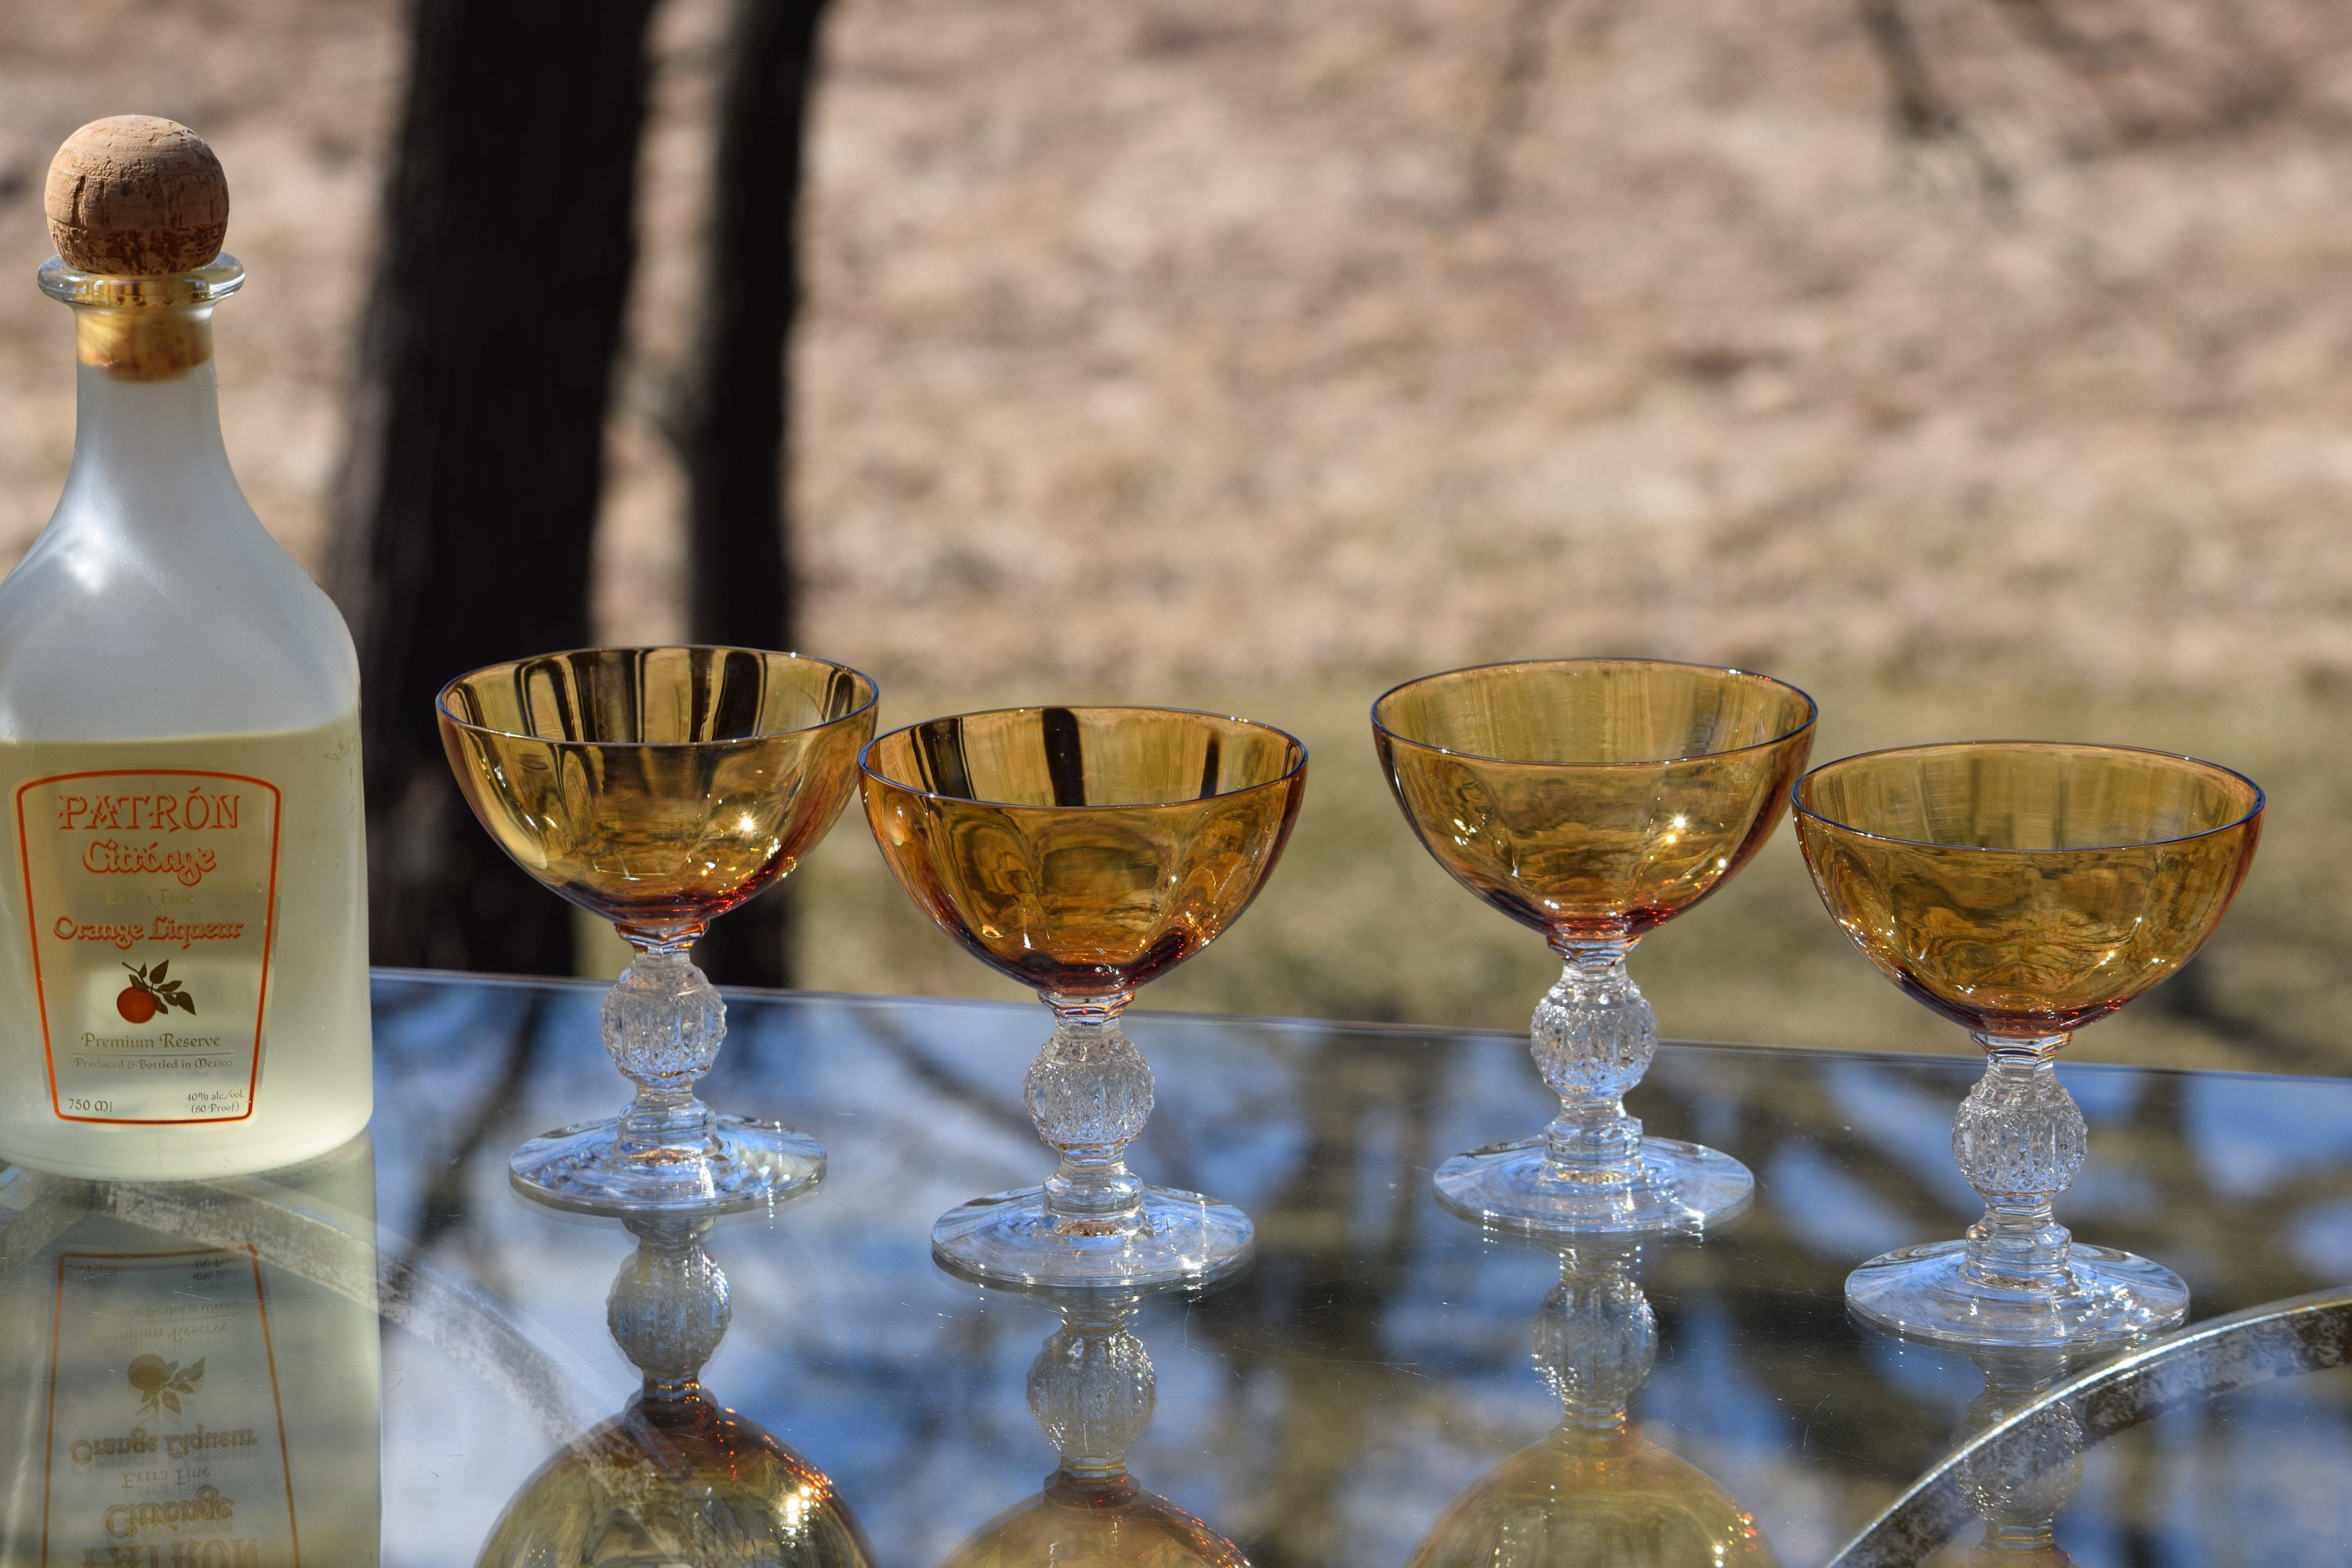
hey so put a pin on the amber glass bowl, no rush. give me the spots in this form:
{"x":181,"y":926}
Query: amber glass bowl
{"x":660,"y":787}
{"x":2023,"y":889}
{"x":1082,"y":851}
{"x":1593,"y":799}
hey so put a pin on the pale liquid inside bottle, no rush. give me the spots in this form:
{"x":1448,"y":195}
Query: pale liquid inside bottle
{"x":182,"y":920}
{"x":160,"y":969}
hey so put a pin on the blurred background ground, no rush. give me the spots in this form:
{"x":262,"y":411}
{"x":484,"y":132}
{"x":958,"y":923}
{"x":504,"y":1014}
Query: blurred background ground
{"x":1984,"y":371}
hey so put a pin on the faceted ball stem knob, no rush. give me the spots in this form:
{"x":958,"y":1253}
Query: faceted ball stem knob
{"x":1089,"y":1093}
{"x":1592,"y":1039}
{"x":668,"y":1152}
{"x":1093,"y":1225}
{"x":1591,"y":1171}
{"x":2019,"y":1281}
{"x":663,"y":1025}
{"x":1092,"y":1388}
{"x":2020,"y":1140}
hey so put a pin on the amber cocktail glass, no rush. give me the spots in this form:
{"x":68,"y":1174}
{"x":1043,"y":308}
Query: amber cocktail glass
{"x":2023,"y":889}
{"x":1593,"y":800}
{"x":659,"y":788}
{"x":1082,"y":851}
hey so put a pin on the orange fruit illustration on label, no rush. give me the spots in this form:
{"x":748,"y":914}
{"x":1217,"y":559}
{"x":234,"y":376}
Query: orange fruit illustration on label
{"x":159,"y":1384}
{"x":150,"y":993}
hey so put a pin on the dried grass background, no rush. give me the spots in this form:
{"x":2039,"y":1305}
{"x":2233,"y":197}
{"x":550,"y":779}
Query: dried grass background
{"x":1981,"y":365}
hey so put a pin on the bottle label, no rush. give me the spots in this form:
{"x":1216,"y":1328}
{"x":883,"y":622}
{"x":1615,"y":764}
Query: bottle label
{"x":166,"y":1439}
{"x":152,"y":895}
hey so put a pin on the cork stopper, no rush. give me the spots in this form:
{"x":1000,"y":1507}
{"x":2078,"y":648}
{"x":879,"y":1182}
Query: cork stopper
{"x":137,"y":196}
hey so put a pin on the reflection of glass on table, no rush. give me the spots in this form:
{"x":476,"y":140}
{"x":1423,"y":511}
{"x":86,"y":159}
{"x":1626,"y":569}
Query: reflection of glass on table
{"x":675,"y":1477}
{"x":1595,"y":1492}
{"x":1092,"y":1390}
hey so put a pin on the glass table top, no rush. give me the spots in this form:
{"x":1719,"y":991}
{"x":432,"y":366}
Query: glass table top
{"x":387,"y":1355}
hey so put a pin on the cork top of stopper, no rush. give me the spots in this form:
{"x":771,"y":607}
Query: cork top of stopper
{"x":137,"y":196}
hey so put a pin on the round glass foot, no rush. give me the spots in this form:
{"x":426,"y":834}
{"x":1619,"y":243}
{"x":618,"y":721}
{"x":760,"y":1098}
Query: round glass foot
{"x":1008,"y":1238}
{"x":747,"y":1164}
{"x":1923,"y":1293}
{"x":1681,"y":1186}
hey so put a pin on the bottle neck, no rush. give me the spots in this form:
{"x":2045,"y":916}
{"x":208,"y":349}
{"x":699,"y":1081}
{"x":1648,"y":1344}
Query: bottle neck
{"x":147,"y":446}
{"x":153,"y":341}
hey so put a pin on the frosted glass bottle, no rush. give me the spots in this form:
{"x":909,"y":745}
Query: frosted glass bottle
{"x":183,"y":909}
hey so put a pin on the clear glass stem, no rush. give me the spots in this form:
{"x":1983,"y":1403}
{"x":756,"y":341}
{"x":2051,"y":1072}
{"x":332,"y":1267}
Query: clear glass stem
{"x":1592,"y":1039}
{"x":663,"y":1025}
{"x":2020,"y":1140}
{"x":1089,"y":1093}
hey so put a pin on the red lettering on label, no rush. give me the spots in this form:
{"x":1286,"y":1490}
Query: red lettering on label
{"x":164,"y":814}
{"x":121,"y":936}
{"x":109,"y":857}
{"x":85,"y":874}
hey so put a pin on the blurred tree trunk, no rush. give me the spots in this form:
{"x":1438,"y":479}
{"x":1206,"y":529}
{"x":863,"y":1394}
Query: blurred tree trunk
{"x":469,"y":486}
{"x":734,"y":400}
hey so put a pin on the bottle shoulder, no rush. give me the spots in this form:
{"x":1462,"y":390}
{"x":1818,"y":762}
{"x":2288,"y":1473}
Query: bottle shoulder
{"x":113,"y":632}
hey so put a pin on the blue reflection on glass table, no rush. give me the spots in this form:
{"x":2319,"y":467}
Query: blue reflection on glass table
{"x":1377,"y":1361}
{"x":1328,"y":1406}
{"x":2249,"y":1139}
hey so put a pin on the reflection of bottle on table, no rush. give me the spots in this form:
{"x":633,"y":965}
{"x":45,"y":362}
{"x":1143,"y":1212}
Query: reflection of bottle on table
{"x":168,"y":1400}
{"x":1092,"y":1388}
{"x":1595,"y":1493}
{"x":675,"y":1477}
